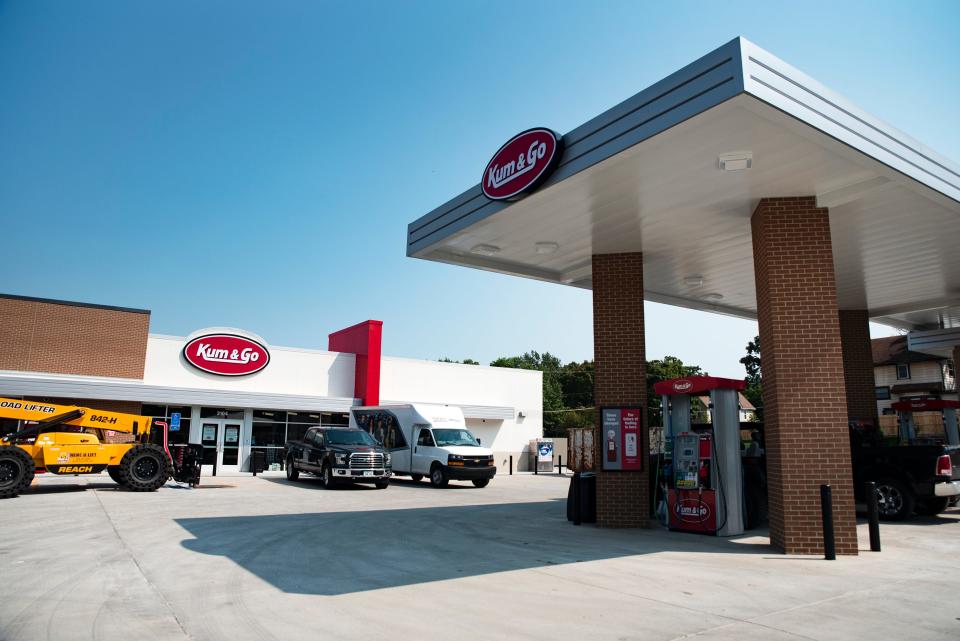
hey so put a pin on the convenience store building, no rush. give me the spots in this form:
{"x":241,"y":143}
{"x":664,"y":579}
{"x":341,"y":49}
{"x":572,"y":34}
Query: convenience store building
{"x":234,"y":392}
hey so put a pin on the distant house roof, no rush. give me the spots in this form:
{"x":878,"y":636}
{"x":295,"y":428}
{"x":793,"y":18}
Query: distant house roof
{"x":892,"y":350}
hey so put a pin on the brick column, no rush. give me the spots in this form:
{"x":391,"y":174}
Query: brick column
{"x":620,"y":378}
{"x":805,"y":407}
{"x":858,"y":365}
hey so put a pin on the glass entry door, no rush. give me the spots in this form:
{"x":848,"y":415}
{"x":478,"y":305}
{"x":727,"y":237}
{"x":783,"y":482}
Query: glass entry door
{"x":221,"y":445}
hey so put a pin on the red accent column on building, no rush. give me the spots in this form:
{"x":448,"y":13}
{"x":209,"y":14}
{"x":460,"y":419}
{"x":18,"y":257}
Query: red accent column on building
{"x":805,"y":406}
{"x":858,"y":365}
{"x":620,"y":379}
{"x":362,"y":339}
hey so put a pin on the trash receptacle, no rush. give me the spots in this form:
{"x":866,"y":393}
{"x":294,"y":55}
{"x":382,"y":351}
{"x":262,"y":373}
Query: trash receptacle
{"x":582,"y":498}
{"x":258,"y":461}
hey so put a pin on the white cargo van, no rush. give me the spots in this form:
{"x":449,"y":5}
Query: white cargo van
{"x":427,"y":440}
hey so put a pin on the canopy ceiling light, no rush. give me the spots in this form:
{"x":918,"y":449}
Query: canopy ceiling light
{"x":484,"y":250}
{"x":693,"y":281}
{"x":546,"y":247}
{"x":735,"y":160}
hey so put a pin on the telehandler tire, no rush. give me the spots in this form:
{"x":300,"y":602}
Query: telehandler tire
{"x":144,"y":468}
{"x":16,"y":471}
{"x":114,"y":472}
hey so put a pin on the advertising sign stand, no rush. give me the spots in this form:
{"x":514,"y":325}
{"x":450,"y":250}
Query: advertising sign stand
{"x":621,"y":440}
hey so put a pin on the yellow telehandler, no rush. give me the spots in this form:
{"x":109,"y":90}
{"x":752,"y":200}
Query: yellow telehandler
{"x":66,"y":440}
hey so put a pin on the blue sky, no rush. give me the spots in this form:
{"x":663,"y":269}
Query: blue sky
{"x":255,"y":164}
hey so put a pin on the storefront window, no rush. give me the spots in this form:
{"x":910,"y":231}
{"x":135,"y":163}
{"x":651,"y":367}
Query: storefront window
{"x":273,"y":428}
{"x":268,"y":434}
{"x":164,"y":413}
{"x":8,"y":426}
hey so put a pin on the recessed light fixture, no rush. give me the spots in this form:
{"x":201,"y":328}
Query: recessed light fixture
{"x":713,"y":296}
{"x":693,"y":281}
{"x":546,"y":247}
{"x":484,"y":250}
{"x":735,"y":160}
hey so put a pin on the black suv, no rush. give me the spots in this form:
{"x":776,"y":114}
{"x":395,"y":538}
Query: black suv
{"x":338,"y":454}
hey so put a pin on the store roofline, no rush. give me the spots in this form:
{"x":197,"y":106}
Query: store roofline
{"x":73,"y":303}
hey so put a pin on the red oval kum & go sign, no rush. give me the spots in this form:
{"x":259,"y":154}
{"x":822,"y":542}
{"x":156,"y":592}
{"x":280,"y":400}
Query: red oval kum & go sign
{"x":522,"y":164}
{"x":226,"y":354}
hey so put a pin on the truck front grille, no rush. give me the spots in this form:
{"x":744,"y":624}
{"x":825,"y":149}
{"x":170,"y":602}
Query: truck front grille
{"x":366,"y":461}
{"x":476,"y":461}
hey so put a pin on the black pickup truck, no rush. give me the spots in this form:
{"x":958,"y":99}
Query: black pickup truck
{"x":921,"y":478}
{"x":338,"y":454}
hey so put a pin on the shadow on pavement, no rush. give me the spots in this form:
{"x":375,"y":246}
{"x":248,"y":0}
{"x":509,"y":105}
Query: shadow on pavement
{"x":346,"y":552}
{"x":313,"y":483}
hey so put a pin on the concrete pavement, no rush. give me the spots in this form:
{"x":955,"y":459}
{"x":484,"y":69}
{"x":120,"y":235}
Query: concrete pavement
{"x":260,"y":559}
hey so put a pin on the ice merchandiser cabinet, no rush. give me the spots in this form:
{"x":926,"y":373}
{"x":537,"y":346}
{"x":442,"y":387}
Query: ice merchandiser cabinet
{"x":705,"y":482}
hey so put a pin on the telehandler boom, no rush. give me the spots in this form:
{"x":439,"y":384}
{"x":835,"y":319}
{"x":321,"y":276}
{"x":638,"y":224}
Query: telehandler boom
{"x":65,"y":439}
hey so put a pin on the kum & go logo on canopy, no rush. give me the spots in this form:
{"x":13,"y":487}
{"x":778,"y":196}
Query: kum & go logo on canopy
{"x":226,"y":354}
{"x":522,"y":164}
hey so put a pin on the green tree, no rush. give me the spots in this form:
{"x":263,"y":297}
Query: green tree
{"x":553,"y":406}
{"x":754,"y":379}
{"x":663,"y":370}
{"x":466,"y":361}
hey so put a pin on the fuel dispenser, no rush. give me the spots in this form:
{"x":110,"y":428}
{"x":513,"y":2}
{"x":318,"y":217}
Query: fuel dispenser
{"x":907,"y":426}
{"x":705,"y":478}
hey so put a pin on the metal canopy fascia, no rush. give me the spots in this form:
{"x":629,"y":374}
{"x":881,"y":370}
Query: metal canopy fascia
{"x":738,"y":68}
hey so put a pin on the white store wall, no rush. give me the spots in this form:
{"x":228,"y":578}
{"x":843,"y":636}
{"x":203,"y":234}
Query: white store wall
{"x":292,"y":371}
{"x":493,"y":397}
{"x":409,"y":380}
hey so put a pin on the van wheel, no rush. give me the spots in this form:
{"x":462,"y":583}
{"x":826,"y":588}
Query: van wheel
{"x":481,"y":482}
{"x":438,"y":478}
{"x":16,"y":471}
{"x":895,"y":501}
{"x":144,"y":468}
{"x":416,"y":478}
{"x":292,"y":472}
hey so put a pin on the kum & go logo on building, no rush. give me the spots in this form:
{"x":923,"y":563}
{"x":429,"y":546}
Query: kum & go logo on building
{"x":522,"y":164}
{"x":226,"y":354}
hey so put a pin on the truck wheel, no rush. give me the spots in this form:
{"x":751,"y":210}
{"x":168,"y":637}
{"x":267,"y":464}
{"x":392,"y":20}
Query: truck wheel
{"x":894,"y":499}
{"x":382,"y":485}
{"x":292,"y":472}
{"x":114,"y":472}
{"x":416,"y":478}
{"x":326,"y":476}
{"x":438,"y":478}
{"x":16,"y":471}
{"x":481,"y":482}
{"x":932,"y":507}
{"x":144,"y":468}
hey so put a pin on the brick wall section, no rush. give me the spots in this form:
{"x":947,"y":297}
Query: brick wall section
{"x":805,"y":407}
{"x":858,"y":365}
{"x":620,"y":378}
{"x":47,"y":336}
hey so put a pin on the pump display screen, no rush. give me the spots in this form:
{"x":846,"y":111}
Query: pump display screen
{"x":685,"y":461}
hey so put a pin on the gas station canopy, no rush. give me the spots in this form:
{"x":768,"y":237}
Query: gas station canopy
{"x":677,"y":170}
